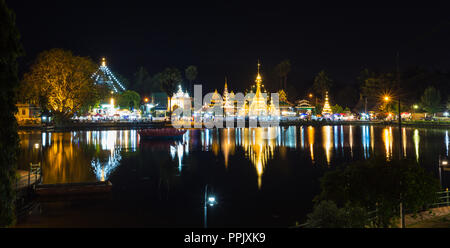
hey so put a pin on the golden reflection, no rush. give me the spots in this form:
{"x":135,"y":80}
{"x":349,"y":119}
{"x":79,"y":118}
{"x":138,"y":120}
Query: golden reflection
{"x":83,"y":156}
{"x":259,"y":145}
{"x":215,"y":142}
{"x":66,"y":162}
{"x":227,"y":146}
{"x":404,"y":141}
{"x":327,"y":142}
{"x":311,"y":141}
{"x":387,"y":139}
{"x":416,"y":139}
{"x":372,"y":140}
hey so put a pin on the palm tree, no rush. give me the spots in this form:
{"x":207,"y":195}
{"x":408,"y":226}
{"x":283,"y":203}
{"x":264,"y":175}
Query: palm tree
{"x":283,"y":69}
{"x":169,"y":79}
{"x":322,"y":83}
{"x":191,"y":74}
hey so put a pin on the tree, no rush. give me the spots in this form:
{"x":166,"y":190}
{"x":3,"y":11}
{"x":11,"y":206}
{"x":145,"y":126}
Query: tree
{"x":380,"y":185}
{"x":142,"y":81}
{"x":129,"y":99}
{"x":191,"y":74}
{"x":337,"y":109}
{"x":447,"y":105}
{"x":282,"y":70}
{"x":169,"y":79}
{"x":61,"y":82}
{"x":10,"y":50}
{"x":322,"y":83}
{"x":327,"y":215}
{"x":431,"y":100}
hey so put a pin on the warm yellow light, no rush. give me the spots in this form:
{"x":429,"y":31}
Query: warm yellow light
{"x":415,"y":106}
{"x":310,"y":95}
{"x":112,"y":102}
{"x":103,"y":61}
{"x":146,"y":99}
{"x":386,"y":98}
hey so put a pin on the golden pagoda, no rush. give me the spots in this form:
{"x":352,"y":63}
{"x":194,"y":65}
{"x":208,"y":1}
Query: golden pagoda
{"x":215,"y":99}
{"x":326,"y":107}
{"x":228,"y":106}
{"x":258,"y":106}
{"x":273,"y":110}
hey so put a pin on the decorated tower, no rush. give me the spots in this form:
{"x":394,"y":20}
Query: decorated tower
{"x":326,"y":107}
{"x":104,"y":76}
{"x":258,"y":105}
{"x":228,"y":106}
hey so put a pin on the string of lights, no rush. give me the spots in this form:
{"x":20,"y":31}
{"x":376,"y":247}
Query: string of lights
{"x":104,"y":76}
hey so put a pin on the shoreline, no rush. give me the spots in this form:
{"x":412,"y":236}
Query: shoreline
{"x":141,"y":125}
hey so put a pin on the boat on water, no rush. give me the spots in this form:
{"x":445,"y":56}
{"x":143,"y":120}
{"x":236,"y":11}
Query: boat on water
{"x":161,"y":133}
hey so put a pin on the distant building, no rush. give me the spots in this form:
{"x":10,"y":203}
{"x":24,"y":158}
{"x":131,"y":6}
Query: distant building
{"x":28,"y":113}
{"x":179,"y":100}
{"x":304,"y":107}
{"x":159,"y":100}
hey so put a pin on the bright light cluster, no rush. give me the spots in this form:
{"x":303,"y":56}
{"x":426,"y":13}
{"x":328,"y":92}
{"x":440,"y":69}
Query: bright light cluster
{"x":106,"y":76}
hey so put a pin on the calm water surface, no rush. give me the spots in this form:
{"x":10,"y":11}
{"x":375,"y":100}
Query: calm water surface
{"x":260,"y":176}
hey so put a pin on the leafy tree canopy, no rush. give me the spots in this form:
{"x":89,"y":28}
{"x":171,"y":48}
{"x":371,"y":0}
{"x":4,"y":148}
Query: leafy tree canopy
{"x":129,"y":99}
{"x":61,"y":82}
{"x":10,"y":50}
{"x":322,"y":83}
{"x":381,"y":185}
{"x":431,"y":100}
{"x":326,"y":214}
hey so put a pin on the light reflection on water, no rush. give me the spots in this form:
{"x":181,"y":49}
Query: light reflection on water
{"x":67,"y":154}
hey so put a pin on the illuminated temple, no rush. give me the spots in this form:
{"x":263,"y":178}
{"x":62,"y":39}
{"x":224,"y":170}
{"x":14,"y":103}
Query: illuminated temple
{"x":258,"y":105}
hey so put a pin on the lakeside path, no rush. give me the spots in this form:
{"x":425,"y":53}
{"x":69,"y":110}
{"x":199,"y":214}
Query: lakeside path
{"x":142,"y":125}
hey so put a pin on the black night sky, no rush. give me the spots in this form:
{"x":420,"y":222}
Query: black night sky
{"x":226,"y":39}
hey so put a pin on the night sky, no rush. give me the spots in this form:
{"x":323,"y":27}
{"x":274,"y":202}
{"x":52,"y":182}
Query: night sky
{"x":227,"y":39}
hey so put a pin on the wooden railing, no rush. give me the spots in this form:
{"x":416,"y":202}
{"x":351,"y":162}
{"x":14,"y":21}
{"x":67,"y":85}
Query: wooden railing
{"x":29,"y":180}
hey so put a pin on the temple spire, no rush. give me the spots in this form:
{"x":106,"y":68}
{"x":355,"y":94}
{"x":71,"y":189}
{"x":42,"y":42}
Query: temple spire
{"x":326,"y":106}
{"x":258,"y":77}
{"x":259,"y":64}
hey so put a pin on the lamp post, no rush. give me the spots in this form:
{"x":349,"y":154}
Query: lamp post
{"x":209,"y":200}
{"x":41,"y":155}
{"x":442,"y":163}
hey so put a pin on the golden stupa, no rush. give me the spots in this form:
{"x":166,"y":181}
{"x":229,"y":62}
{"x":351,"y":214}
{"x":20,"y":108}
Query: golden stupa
{"x":326,"y":107}
{"x":258,"y":106}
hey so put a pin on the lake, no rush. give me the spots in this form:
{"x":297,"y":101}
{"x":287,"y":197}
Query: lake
{"x":261,"y":177}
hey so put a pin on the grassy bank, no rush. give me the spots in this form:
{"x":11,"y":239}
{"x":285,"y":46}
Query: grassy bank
{"x":437,"y":222}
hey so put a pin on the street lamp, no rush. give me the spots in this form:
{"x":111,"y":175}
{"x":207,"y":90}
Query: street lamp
{"x":41,"y":155}
{"x":209,"y":200}
{"x":443,"y":164}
